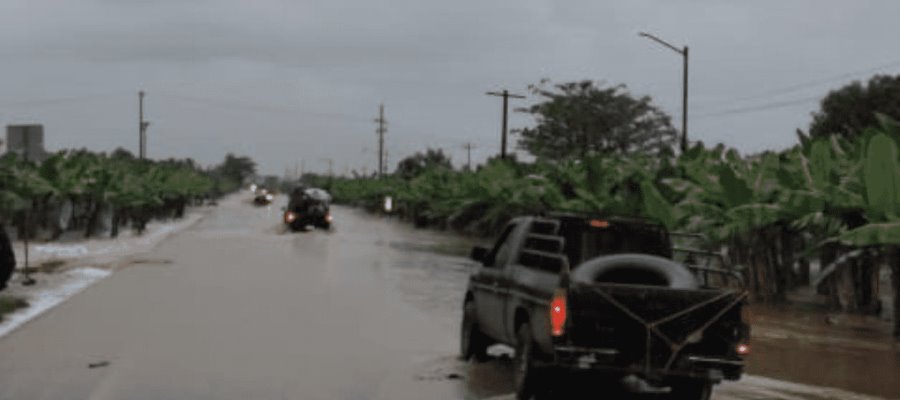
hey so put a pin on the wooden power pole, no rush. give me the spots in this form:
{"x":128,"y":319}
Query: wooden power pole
{"x":505,"y":95}
{"x":381,"y":131}
{"x":468,"y":146}
{"x":28,"y":280}
{"x":142,"y":127}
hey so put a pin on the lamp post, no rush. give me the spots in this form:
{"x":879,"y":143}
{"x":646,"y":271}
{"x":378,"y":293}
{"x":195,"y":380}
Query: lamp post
{"x":684,"y":98}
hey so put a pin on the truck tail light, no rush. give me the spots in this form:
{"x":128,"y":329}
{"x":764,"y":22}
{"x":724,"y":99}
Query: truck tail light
{"x":599,"y":223}
{"x":743,"y":349}
{"x":558,"y":311}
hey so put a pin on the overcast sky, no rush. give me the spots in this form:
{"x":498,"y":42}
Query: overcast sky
{"x":285,"y":81}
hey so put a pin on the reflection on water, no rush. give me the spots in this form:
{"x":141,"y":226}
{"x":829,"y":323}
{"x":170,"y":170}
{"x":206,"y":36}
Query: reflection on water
{"x":810,"y":346}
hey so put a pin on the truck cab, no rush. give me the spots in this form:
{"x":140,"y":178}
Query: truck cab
{"x":308,"y":207}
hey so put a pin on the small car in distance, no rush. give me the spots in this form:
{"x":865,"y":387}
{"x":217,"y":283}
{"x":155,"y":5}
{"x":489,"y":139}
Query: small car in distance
{"x":263,"y":197}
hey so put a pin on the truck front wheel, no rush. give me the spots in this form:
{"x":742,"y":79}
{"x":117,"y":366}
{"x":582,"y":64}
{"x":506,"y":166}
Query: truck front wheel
{"x":473,"y":343}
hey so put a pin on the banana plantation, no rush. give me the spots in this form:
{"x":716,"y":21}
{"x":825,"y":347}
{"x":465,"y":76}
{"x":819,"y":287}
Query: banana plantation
{"x":95,"y":193}
{"x":828,"y":204}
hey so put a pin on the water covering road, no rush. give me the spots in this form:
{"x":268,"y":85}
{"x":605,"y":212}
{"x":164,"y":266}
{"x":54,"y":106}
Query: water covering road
{"x":235,"y":308}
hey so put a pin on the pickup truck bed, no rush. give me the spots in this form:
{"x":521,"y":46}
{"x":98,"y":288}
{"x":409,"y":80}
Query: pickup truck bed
{"x":653,"y":331}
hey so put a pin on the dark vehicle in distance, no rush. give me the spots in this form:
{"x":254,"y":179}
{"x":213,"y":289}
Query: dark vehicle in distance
{"x":308,"y":207}
{"x":604,"y":299}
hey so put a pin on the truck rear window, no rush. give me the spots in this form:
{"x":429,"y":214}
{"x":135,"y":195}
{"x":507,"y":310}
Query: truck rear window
{"x":585,"y":241}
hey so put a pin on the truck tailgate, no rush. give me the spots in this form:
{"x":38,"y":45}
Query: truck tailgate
{"x":652,"y":328}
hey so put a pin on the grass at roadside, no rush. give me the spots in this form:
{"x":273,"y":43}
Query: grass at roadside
{"x":47,"y":267}
{"x":9,"y":304}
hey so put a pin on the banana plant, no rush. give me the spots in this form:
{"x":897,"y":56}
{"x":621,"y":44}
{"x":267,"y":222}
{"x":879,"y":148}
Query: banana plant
{"x":881,"y":179}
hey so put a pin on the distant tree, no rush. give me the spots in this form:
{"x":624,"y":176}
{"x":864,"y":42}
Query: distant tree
{"x":579,"y":118}
{"x":412,"y":166}
{"x":852,"y":108}
{"x":121,"y":154}
{"x":511,"y":158}
{"x":237,"y":168}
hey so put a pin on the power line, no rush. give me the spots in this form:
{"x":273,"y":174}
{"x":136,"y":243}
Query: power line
{"x":809,"y":84}
{"x":260,"y":107}
{"x":761,"y":107}
{"x":62,"y":100}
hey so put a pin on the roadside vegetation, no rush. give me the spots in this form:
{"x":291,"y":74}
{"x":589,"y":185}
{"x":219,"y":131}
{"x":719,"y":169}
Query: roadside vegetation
{"x":92,"y":194}
{"x":9,"y":304}
{"x":96,"y":192}
{"x":832,"y":198}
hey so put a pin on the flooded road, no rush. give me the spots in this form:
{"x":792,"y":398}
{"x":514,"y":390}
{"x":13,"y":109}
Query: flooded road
{"x":234,"y":308}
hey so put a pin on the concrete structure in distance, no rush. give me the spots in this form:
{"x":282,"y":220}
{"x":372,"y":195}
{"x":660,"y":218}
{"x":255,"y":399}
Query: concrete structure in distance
{"x":26,"y":141}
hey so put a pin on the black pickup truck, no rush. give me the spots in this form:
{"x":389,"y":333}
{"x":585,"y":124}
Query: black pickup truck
{"x":604,"y":297}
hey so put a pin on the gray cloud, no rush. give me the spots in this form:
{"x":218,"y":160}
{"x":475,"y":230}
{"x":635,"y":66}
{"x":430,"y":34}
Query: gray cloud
{"x":285,"y":80}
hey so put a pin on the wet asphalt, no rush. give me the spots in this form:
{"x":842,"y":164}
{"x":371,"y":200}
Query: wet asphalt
{"x":236,"y":308}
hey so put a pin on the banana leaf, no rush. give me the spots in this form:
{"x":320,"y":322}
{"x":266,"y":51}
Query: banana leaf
{"x":881,"y":234}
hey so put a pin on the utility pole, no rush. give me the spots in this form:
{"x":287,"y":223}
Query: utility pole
{"x":142,"y":127}
{"x":28,"y":281}
{"x":684,"y":94}
{"x":381,"y":131}
{"x":506,"y":95}
{"x":330,"y":166}
{"x":468,"y":146}
{"x":684,"y":103}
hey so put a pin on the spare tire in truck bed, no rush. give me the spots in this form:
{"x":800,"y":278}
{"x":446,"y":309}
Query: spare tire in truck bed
{"x":635,"y":269}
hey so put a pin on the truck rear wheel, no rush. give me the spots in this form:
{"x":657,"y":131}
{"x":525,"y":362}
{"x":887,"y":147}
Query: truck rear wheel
{"x":528,"y":379}
{"x":473,"y":343}
{"x":691,"y":390}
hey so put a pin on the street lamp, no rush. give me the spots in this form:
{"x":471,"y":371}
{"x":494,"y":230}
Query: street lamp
{"x":684,"y":99}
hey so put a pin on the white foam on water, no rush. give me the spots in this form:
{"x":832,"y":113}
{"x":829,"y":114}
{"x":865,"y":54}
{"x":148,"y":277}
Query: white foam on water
{"x":98,"y":251}
{"x":105,"y":249}
{"x":71,"y":282}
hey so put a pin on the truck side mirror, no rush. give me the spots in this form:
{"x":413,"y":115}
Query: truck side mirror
{"x":480,"y":254}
